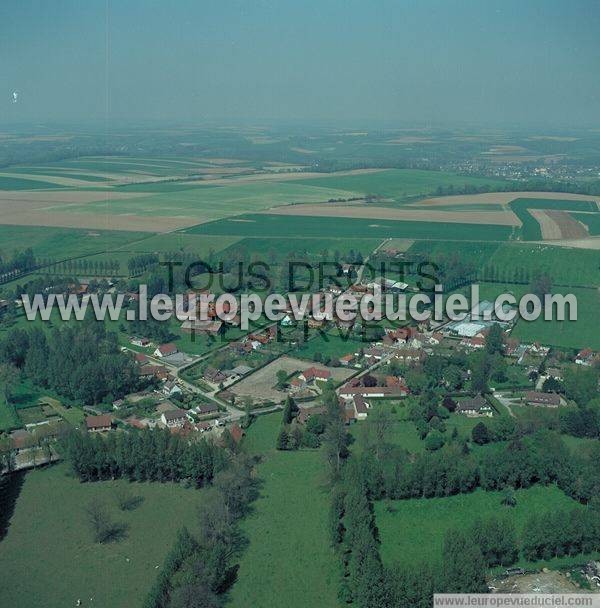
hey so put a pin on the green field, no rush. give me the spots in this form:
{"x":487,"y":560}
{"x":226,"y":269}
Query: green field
{"x":564,"y":265}
{"x":22,"y":183}
{"x":48,"y":558}
{"x":210,"y":202}
{"x":413,"y":530}
{"x":591,"y":220}
{"x":567,"y":334}
{"x":330,"y":346}
{"x":398,"y":184}
{"x":60,"y":243}
{"x":306,"y":226}
{"x":288,"y":560}
{"x":531,"y":230}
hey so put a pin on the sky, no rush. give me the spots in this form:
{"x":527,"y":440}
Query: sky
{"x":386,"y":61}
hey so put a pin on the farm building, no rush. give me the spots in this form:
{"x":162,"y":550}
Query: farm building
{"x":98,"y":424}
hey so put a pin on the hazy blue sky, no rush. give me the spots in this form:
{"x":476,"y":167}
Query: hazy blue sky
{"x":485,"y":61}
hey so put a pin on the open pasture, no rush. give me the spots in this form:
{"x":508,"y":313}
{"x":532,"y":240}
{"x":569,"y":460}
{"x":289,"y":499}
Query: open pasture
{"x":49,"y":556}
{"x":288,"y":555}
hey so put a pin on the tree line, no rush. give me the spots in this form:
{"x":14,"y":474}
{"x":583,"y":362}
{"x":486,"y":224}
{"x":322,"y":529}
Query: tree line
{"x":143,"y":455}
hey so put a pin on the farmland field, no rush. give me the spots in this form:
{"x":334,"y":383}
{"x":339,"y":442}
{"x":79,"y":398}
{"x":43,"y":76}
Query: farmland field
{"x":564,"y":265}
{"x":591,"y":220}
{"x":569,"y":334}
{"x":305,"y":226}
{"x":61,"y":243}
{"x":288,"y":555}
{"x":48,"y":534}
{"x":399,"y":184}
{"x":412,"y":530}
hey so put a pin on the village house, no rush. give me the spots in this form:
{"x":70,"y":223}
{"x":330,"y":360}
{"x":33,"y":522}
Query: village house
{"x":164,"y":350}
{"x":98,"y":424}
{"x":409,"y":355}
{"x":312,"y":374}
{"x":238,"y":372}
{"x":373,"y":354}
{"x":586,"y":357}
{"x":361,"y":407}
{"x":206,"y":409}
{"x":171,"y":389}
{"x":306,"y":413}
{"x":142,"y":342}
{"x":542,"y":399}
{"x":214,"y":375}
{"x":140,"y":358}
{"x":474,"y":343}
{"x":174,"y":418}
{"x":477,"y":406}
{"x":346,"y":360}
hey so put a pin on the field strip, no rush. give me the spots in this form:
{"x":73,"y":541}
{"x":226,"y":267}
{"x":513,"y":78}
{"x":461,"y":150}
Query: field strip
{"x":503,"y":218}
{"x":98,"y":221}
{"x":570,"y":228}
{"x":52,"y":179}
{"x":502,"y":198}
{"x":282,"y":177}
{"x":550,"y":228}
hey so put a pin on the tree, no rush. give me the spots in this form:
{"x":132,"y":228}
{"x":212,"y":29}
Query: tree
{"x":103,"y":527}
{"x":9,"y":377}
{"x":283,"y":440}
{"x":289,"y":411}
{"x":508,"y":498}
{"x":434,"y":441}
{"x":480,"y":434}
{"x":463,"y":566}
{"x":282,"y":377}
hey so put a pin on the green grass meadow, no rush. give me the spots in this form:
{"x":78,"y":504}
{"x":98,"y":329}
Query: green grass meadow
{"x":49,"y":556}
{"x":413,"y":530}
{"x":264,"y":225}
{"x":289,"y":560}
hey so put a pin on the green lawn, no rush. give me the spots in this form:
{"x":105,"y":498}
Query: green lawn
{"x":48,"y":557}
{"x":288,"y":560}
{"x":306,"y":226}
{"x":329,"y":346}
{"x":413,"y":530}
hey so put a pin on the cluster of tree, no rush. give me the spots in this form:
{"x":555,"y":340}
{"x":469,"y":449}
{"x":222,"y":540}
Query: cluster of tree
{"x":559,"y":533}
{"x":292,"y":436}
{"x":143,"y":455}
{"x":138,"y":264}
{"x":160,"y":331}
{"x":531,"y":185}
{"x":198,"y":569}
{"x":81,"y":362}
{"x":18,"y":263}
